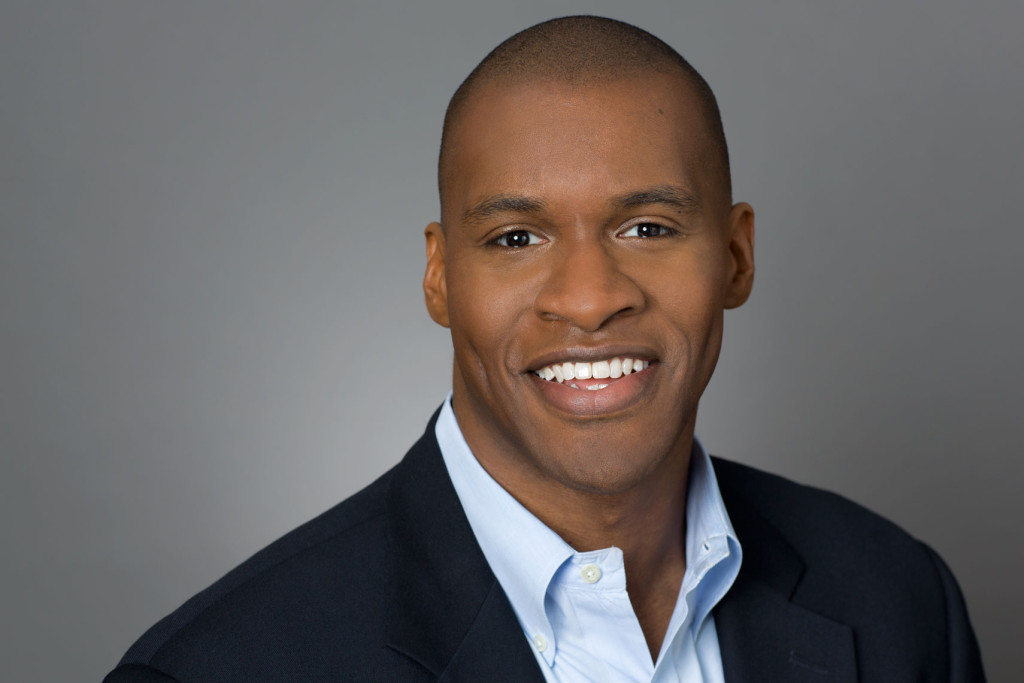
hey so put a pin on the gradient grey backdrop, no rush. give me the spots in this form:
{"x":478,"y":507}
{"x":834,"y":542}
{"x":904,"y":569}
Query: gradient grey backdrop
{"x":212,"y":325}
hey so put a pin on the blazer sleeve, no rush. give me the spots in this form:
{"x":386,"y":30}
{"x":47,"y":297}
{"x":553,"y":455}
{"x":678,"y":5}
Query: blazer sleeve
{"x":961,"y":645}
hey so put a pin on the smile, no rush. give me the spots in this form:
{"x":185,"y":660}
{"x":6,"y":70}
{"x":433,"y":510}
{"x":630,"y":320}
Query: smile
{"x":613,"y":368}
{"x":599,"y":388}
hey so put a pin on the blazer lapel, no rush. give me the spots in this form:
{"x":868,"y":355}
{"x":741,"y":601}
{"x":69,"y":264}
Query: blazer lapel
{"x":764,"y":637}
{"x":448,"y":612}
{"x":762,"y":633}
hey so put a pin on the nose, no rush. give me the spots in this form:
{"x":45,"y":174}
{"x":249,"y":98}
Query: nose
{"x":586,"y":287}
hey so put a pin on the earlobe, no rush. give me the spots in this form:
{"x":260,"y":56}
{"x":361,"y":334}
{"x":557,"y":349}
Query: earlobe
{"x":435,"y":287}
{"x":741,"y":251}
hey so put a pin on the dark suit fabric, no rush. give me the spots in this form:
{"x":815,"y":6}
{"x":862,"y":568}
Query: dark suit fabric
{"x":390,"y":585}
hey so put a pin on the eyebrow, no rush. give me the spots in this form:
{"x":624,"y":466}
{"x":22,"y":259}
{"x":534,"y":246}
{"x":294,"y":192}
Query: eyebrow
{"x":502,"y":203}
{"x":679,"y":198}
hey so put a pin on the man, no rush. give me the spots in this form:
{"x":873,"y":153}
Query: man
{"x":558,"y":521}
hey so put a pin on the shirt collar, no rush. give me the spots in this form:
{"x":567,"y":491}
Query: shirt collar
{"x":713,"y":552}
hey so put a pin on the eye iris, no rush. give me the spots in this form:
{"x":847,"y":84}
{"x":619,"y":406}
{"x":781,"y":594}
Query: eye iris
{"x":519,"y":238}
{"x":648,"y":230}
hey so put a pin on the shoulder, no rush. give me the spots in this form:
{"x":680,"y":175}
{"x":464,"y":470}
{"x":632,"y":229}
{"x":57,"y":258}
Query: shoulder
{"x":830,"y":534}
{"x":851,"y":565}
{"x":327,"y":576}
{"x":810,"y":518}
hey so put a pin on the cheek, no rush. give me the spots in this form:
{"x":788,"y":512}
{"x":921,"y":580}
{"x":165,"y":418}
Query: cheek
{"x":486,"y":309}
{"x":699,"y":330}
{"x":690,"y":299}
{"x":689,"y":288}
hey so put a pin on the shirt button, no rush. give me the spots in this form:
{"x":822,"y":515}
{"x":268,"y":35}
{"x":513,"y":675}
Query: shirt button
{"x":706,"y":546}
{"x":540,"y":642}
{"x":591,"y":573}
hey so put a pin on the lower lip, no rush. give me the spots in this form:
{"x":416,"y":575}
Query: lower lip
{"x":619,"y":395}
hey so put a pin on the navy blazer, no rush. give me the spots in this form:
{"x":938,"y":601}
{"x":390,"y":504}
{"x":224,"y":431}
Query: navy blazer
{"x":390,"y":585}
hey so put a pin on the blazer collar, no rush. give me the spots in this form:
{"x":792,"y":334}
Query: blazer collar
{"x":447,"y":612}
{"x":763,"y":634}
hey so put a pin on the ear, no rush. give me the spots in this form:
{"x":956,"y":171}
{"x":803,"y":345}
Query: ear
{"x":435,"y":287}
{"x":741,"y":252}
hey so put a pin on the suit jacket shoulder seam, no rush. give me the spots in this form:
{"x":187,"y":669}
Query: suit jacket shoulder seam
{"x":174,"y":636}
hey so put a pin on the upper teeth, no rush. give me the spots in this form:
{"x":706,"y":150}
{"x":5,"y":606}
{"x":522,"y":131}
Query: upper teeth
{"x":602,"y":369}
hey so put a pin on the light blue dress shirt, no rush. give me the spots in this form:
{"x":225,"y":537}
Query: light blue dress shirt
{"x":573,"y":607}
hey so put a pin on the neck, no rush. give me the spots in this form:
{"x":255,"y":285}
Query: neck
{"x":647,"y":522}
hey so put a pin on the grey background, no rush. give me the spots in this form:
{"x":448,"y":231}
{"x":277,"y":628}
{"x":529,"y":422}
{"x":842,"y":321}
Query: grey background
{"x":211,"y":323}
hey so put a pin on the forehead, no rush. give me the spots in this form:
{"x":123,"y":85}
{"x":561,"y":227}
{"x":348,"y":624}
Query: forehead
{"x":552,"y":140}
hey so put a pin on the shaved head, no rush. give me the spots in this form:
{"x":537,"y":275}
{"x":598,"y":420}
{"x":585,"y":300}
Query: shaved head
{"x":584,"y":51}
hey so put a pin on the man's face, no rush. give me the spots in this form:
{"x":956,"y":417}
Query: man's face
{"x":585,"y":229}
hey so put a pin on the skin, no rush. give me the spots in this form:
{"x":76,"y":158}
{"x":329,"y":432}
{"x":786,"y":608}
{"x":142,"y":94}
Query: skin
{"x":570,"y":173}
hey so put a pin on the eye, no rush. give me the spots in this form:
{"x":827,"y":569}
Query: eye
{"x":517,"y":239}
{"x":644,"y":230}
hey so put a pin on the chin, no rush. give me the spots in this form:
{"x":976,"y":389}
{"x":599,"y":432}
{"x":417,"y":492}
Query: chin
{"x":607,"y":472}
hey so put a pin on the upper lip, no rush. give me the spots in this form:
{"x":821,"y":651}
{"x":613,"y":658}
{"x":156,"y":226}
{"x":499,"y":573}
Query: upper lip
{"x":589,"y":354}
